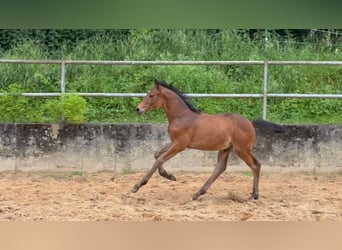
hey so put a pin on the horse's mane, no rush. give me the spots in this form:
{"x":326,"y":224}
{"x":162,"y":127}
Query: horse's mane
{"x":180,"y":94}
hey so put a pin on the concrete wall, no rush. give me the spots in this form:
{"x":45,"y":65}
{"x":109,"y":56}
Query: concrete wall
{"x":126,"y":147}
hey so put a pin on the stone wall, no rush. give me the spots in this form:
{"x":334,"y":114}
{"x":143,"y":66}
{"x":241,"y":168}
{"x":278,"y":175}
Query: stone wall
{"x":130,"y":147}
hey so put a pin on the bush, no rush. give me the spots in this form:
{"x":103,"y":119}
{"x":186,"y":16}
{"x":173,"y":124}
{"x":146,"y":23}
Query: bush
{"x":18,"y":108}
{"x":14,"y":108}
{"x":74,"y":108}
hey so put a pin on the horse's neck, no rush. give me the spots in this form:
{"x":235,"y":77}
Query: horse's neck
{"x":175,"y":107}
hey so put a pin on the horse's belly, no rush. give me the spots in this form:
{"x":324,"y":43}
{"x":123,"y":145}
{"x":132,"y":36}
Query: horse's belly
{"x":211,"y":133}
{"x":211,"y":143}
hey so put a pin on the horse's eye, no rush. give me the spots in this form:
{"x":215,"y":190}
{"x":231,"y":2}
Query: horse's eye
{"x":150,"y":95}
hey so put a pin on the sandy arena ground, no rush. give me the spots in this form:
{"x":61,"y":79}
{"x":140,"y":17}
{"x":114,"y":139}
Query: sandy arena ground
{"x":27,"y":196}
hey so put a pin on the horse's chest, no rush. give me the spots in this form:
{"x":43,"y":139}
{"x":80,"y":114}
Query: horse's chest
{"x":178,"y":132}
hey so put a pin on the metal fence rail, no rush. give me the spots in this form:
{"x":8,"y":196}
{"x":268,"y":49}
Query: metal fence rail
{"x":264,"y":95}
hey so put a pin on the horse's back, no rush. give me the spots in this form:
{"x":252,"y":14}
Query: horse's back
{"x":230,"y":121}
{"x":237,"y":128}
{"x":221,"y":131}
{"x":240,"y":121}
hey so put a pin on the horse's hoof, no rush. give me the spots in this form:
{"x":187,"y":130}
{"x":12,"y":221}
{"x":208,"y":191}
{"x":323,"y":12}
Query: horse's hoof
{"x":198,"y":194}
{"x":254,"y":196}
{"x":172,"y":178}
{"x":135,"y":189}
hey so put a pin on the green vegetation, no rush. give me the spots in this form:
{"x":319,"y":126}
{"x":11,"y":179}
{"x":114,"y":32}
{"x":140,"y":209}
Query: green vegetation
{"x":128,"y":170}
{"x":167,"y":45}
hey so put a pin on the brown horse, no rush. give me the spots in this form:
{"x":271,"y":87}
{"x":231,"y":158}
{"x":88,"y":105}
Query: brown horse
{"x":190,"y":128}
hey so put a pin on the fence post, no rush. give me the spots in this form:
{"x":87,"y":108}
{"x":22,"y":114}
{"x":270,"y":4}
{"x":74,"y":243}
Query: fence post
{"x":63,"y":77}
{"x":63,"y":88}
{"x":265,"y":90}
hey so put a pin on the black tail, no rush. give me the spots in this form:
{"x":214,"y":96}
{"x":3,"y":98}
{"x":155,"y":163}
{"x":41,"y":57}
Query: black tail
{"x":269,"y":125}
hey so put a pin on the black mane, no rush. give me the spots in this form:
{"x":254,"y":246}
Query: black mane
{"x":180,"y":94}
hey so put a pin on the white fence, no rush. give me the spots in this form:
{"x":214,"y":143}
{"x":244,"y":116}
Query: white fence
{"x":264,"y":95}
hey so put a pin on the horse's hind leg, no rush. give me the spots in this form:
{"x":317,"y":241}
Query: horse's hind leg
{"x":220,"y":168}
{"x":161,"y":170}
{"x":255,"y":166}
{"x":161,"y":150}
{"x":256,"y":174}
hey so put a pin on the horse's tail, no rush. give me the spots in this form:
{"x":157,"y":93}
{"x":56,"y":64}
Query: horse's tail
{"x":269,"y":125}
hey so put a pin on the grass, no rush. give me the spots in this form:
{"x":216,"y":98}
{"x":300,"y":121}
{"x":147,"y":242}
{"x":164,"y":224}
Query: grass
{"x":57,"y":175}
{"x":76,"y":173}
{"x":128,"y":170}
{"x":176,"y":45}
{"x":246,"y":173}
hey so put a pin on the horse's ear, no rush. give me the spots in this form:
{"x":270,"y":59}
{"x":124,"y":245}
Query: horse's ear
{"x":156,"y":83}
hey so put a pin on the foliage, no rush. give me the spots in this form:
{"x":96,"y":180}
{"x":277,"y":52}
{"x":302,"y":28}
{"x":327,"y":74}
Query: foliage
{"x":18,"y":108}
{"x":74,"y":108}
{"x":13,"y":108}
{"x":167,"y":45}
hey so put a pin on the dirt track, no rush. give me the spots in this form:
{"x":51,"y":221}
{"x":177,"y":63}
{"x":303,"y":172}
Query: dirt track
{"x":98,"y":196}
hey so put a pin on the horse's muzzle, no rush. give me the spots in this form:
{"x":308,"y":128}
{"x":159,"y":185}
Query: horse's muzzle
{"x":140,"y":111}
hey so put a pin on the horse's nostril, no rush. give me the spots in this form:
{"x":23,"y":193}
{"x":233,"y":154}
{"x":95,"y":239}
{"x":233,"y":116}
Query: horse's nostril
{"x":137,"y":109}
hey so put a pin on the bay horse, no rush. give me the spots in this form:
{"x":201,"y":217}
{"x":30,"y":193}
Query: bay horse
{"x":190,"y":128}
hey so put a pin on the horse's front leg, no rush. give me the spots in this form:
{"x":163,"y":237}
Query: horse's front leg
{"x":147,"y":177}
{"x":172,"y":150}
{"x":161,"y":170}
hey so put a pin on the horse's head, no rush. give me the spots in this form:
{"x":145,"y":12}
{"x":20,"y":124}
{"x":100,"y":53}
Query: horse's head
{"x":152,"y":100}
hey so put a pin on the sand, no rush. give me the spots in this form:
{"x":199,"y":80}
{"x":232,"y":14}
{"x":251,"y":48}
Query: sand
{"x":104,"y":196}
